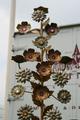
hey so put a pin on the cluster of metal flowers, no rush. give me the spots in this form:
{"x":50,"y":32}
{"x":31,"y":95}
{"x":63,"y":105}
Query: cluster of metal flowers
{"x":52,"y":55}
{"x":44,"y":70}
{"x":49,"y":113}
{"x":28,"y":55}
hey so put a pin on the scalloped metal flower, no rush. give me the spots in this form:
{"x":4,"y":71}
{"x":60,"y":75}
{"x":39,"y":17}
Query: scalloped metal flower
{"x":23,"y":75}
{"x":54,"y":55}
{"x":40,"y":93}
{"x":31,"y":55}
{"x":25,"y":112}
{"x":24,"y":27}
{"x":17,"y":91}
{"x":51,"y":29}
{"x":44,"y":68}
{"x":60,"y":78}
{"x":39,"y":13}
{"x":64,"y":96}
{"x":52,"y":114}
{"x":40,"y":42}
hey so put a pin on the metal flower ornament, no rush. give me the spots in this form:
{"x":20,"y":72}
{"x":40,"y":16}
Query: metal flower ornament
{"x":45,"y":58}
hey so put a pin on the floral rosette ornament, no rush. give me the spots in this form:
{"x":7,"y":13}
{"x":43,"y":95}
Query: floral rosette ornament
{"x":23,"y":75}
{"x":17,"y":91}
{"x":44,"y":60}
{"x":50,"y":113}
{"x":25,"y":112}
{"x":61,"y":78}
{"x":64,"y":96}
{"x":40,"y":42}
{"x":28,"y":56}
{"x":39,"y":13}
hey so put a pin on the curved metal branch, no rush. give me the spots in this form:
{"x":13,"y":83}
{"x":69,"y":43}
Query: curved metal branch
{"x":56,"y":98}
{"x":27,"y":91}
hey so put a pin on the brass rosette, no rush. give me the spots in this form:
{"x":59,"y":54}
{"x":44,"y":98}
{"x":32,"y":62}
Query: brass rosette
{"x":64,"y":96}
{"x":25,"y":112}
{"x":39,"y":14}
{"x":17,"y":91}
{"x":23,"y":75}
{"x":40,"y":42}
{"x":60,"y":78}
{"x":52,"y":114}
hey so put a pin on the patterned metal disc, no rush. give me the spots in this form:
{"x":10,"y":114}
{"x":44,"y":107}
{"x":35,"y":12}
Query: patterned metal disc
{"x":17,"y":91}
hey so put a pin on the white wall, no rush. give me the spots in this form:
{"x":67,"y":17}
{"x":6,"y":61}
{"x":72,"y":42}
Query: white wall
{"x":64,"y":41}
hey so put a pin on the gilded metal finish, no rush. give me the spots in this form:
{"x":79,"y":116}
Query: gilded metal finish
{"x":17,"y":91}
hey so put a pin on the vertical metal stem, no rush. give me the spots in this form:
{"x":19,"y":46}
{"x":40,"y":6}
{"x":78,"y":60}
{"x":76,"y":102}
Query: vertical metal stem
{"x":41,"y":30}
{"x":41,"y":34}
{"x":42,"y":54}
{"x":42,"y":106}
